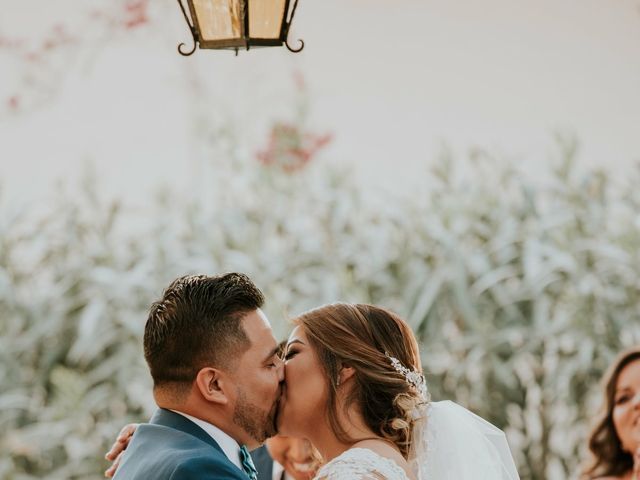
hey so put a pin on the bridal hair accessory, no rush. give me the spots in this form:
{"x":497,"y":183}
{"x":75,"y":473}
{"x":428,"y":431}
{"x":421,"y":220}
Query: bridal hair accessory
{"x":449,"y":442}
{"x":412,"y":377}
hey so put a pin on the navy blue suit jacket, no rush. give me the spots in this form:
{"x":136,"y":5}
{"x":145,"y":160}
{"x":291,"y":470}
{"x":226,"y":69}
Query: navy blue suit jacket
{"x":263,"y":463}
{"x":172,"y":447}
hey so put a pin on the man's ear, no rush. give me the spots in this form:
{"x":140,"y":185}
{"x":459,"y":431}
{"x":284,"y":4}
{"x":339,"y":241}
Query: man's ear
{"x":213,"y":385}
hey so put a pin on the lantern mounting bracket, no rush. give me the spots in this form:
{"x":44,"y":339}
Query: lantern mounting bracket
{"x":194,"y":34}
{"x":286,"y":36}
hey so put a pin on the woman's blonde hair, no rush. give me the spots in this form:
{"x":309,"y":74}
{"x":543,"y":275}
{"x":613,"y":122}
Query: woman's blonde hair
{"x":364,"y":337}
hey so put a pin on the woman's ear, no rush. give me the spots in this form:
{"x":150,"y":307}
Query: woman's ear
{"x":212,"y":385}
{"x":345,"y":374}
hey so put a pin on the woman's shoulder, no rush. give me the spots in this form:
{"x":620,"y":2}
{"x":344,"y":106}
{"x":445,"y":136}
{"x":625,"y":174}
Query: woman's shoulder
{"x":368,"y":460}
{"x":383,"y":449}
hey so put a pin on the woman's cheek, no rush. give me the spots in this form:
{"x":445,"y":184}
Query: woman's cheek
{"x":616,"y":416}
{"x":622,"y":423}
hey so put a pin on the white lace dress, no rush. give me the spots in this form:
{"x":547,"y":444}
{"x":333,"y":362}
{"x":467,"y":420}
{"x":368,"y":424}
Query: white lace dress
{"x":361,"y":463}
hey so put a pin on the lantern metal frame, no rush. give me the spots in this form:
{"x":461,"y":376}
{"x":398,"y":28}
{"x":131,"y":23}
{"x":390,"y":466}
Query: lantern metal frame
{"x":246,"y":40}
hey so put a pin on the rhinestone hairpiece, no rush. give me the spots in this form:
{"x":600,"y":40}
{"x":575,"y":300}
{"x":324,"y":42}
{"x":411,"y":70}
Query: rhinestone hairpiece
{"x":412,"y":377}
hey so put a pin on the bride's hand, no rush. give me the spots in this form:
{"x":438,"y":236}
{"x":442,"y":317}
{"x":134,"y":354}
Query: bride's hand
{"x":118,"y":448}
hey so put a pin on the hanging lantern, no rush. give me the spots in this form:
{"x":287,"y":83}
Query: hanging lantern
{"x":236,"y":24}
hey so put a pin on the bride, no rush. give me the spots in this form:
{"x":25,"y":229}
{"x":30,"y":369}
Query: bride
{"x":354,"y":387}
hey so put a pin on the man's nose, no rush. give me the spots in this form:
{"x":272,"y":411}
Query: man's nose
{"x":635,"y":401}
{"x":280,"y":370}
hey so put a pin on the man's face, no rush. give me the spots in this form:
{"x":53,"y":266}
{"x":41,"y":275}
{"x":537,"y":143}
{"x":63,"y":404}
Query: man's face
{"x":257,"y":377}
{"x":296,"y":455}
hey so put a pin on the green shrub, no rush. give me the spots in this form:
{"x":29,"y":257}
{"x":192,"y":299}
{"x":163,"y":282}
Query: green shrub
{"x":520,"y":293}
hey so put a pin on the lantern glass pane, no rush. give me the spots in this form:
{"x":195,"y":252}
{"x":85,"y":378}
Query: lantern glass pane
{"x":265,"y":18}
{"x":219,"y":19}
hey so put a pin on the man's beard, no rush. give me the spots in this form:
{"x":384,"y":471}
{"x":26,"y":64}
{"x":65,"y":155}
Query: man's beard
{"x":258,"y":423}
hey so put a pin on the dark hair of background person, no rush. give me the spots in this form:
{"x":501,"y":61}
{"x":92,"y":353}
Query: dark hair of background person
{"x":609,"y":458}
{"x":197,"y":323}
{"x":359,"y":336}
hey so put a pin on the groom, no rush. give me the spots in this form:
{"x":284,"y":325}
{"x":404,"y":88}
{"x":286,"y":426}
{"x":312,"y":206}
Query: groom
{"x":216,"y":377}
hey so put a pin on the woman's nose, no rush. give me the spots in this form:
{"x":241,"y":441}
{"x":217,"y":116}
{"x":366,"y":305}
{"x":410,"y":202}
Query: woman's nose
{"x":299,"y":450}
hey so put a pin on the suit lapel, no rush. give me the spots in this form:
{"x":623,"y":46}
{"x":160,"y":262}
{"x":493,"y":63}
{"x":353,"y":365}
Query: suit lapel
{"x":263,"y":463}
{"x":176,"y":421}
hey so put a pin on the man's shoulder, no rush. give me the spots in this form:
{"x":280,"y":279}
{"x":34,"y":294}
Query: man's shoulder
{"x":205,"y":467}
{"x":162,"y":434}
{"x":170,"y":443}
{"x":167,"y":453}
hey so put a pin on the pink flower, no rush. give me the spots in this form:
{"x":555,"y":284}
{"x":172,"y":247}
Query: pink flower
{"x":136,"y":13}
{"x":291,"y":149}
{"x":13,"y":102}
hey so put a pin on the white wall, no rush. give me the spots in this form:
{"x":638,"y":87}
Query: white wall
{"x":392,"y":80}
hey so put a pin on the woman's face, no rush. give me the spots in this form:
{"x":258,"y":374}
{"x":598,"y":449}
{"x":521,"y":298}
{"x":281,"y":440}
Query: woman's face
{"x":304,"y":396}
{"x":626,"y":407}
{"x":296,"y":455}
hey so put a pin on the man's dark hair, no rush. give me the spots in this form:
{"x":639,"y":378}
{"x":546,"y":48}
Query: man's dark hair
{"x":196,"y":324}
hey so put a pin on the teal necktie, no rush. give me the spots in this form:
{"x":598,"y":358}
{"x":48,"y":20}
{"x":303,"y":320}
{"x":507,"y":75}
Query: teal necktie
{"x":247,"y":463}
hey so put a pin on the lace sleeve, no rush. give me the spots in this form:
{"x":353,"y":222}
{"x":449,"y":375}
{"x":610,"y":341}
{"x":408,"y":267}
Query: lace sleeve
{"x":361,"y":464}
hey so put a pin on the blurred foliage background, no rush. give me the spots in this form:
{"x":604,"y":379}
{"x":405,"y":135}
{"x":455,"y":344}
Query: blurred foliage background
{"x":520,"y":292}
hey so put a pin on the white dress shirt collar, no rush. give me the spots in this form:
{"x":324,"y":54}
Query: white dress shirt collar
{"x":278,"y":472}
{"x":228,"y":445}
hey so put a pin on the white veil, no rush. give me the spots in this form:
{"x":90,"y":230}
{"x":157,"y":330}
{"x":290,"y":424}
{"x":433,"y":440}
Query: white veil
{"x":452,"y":443}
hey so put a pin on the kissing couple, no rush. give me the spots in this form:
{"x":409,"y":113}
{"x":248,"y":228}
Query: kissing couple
{"x":350,"y":381}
